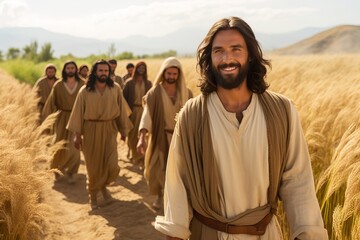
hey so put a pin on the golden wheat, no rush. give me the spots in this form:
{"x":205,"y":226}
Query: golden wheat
{"x":325,"y":90}
{"x":22,"y":149}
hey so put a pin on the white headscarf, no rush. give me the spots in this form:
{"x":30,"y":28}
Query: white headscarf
{"x":180,"y":83}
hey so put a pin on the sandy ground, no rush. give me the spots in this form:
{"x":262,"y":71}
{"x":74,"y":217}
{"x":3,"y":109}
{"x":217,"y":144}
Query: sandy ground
{"x":130,"y":216}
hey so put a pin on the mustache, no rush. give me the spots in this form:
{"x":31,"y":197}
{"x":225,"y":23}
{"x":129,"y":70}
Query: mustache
{"x":226,"y":65}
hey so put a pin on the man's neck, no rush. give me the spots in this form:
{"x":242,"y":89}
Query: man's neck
{"x":100,"y":86}
{"x":235,"y":100}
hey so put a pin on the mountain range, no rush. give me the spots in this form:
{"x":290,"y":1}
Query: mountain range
{"x":344,"y":39}
{"x":184,"y":41}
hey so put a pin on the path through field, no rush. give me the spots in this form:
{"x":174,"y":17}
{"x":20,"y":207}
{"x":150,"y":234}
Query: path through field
{"x":129,"y":217}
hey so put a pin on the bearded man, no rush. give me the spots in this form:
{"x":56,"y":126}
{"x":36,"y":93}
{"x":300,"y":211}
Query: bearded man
{"x":100,"y":112}
{"x":62,"y":98}
{"x":237,"y":149}
{"x":43,"y":87}
{"x":134,"y":90}
{"x":163,"y":101}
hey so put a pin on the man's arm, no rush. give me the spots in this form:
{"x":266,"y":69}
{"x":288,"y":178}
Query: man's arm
{"x":297,"y":188}
{"x":142,"y":145}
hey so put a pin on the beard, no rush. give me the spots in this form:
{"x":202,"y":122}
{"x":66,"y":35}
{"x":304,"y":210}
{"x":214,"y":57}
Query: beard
{"x":102,"y":78}
{"x":170,"y":80}
{"x":70,"y":74}
{"x":230,"y":81}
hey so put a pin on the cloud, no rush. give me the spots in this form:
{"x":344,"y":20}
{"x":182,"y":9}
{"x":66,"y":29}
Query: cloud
{"x":12,"y":11}
{"x":155,"y":18}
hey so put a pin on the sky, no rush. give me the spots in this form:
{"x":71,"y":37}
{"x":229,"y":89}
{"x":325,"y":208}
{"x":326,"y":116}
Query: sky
{"x":116,"y":19}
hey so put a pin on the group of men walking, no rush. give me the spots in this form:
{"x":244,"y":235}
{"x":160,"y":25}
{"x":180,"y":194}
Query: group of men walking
{"x":233,"y":153}
{"x":93,"y":108}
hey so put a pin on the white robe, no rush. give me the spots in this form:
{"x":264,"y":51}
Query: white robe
{"x":241,"y":152}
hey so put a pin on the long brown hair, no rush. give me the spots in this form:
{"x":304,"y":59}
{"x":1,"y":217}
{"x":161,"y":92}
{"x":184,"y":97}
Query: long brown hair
{"x":257,"y":65}
{"x":90,"y":84}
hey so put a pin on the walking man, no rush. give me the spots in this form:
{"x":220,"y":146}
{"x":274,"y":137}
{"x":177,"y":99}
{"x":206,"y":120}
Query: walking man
{"x":134,"y":90}
{"x":44,"y":85}
{"x":62,"y":98}
{"x":163,"y":101}
{"x":99,"y":112}
{"x":237,"y":149}
{"x":113,"y":76}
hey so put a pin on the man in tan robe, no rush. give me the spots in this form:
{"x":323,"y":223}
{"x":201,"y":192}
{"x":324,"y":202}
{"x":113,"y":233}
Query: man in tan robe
{"x":100,"y":112}
{"x":237,"y":149}
{"x":113,"y":76}
{"x":134,"y":90}
{"x":84,"y":72}
{"x":62,"y":98}
{"x":44,"y":85}
{"x":163,"y":101}
{"x":130,"y":69}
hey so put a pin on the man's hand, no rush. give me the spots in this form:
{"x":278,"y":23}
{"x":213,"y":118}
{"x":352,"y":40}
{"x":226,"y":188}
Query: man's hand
{"x":78,"y":141}
{"x":142,"y":145}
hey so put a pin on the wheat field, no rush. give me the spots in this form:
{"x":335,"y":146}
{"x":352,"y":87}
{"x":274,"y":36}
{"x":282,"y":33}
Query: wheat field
{"x":324,"y":89}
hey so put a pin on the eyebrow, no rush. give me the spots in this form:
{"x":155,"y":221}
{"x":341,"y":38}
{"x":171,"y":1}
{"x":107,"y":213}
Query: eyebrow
{"x":232,"y":46}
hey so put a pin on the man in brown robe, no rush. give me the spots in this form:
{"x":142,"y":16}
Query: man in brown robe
{"x":84,"y":72}
{"x":130,"y":69}
{"x":163,"y":101}
{"x":134,"y":90}
{"x":44,"y":85}
{"x":100,"y":112}
{"x":62,"y":98}
{"x":113,"y":76}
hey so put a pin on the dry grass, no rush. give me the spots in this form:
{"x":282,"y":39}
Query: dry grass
{"x":325,"y":90}
{"x":22,"y":149}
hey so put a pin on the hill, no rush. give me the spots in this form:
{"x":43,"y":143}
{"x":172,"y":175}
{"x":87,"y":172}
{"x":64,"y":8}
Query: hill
{"x":184,"y":41}
{"x":338,"y":40}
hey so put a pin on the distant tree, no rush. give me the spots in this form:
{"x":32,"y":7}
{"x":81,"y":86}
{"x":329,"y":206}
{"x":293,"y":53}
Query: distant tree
{"x":12,"y":53}
{"x":125,"y":55}
{"x":46,"y":53}
{"x":1,"y":56}
{"x":170,"y":53}
{"x":112,"y":50}
{"x":30,"y":51}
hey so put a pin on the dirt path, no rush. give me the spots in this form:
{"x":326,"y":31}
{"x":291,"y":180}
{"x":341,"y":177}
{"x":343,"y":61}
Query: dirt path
{"x":130,"y":216}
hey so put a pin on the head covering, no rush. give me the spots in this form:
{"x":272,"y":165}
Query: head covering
{"x":50,"y":65}
{"x":180,"y":83}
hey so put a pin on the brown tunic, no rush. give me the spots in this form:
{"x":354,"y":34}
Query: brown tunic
{"x":60,"y":99}
{"x":99,"y":117}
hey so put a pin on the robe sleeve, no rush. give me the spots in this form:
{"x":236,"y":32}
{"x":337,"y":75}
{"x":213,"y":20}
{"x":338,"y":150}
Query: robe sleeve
{"x":146,"y":122}
{"x":50,"y":105}
{"x":123,"y":122}
{"x":76,"y":121}
{"x":176,"y":219}
{"x":297,"y":189}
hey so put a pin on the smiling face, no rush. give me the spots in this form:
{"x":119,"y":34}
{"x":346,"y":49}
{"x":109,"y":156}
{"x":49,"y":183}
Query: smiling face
{"x":171,"y":75}
{"x":230,"y":57}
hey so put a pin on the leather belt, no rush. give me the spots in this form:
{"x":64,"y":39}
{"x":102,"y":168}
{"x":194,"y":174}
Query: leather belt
{"x":256,"y":229}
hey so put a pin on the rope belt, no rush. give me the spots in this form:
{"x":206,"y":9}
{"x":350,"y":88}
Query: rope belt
{"x":97,"y":120}
{"x":256,"y":229}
